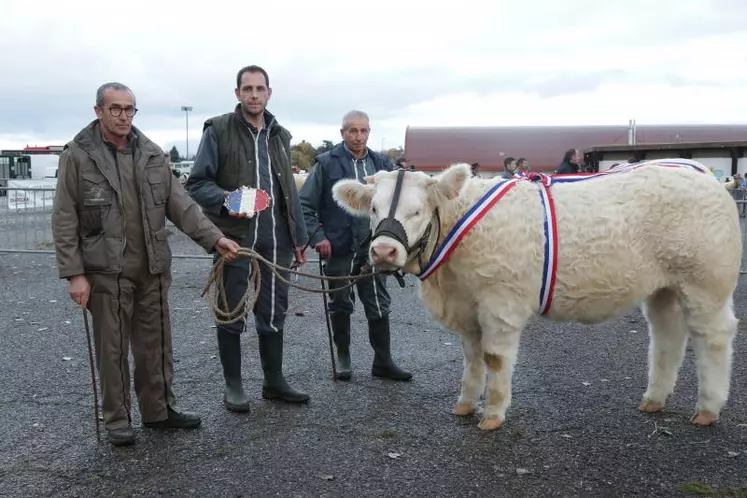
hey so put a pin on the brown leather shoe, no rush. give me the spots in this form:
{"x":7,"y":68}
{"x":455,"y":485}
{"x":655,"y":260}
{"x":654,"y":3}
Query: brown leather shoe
{"x":121,"y":437}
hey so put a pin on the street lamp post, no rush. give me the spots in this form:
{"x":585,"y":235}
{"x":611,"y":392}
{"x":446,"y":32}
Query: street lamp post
{"x":186,"y":110}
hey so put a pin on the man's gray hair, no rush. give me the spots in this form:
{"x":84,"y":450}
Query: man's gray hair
{"x":350,"y":116}
{"x":112,"y":85}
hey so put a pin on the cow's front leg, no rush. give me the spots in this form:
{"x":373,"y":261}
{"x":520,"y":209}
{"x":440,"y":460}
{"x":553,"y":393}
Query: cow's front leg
{"x":473,"y":376}
{"x":500,"y":345}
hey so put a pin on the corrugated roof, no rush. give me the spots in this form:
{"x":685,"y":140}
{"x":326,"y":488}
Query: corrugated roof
{"x":543,"y":146}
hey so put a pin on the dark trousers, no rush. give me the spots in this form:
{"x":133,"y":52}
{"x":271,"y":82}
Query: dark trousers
{"x":272,"y":304}
{"x":372,"y":292}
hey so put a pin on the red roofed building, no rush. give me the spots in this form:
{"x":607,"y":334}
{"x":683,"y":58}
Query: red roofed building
{"x":28,"y":150}
{"x":434,"y":148}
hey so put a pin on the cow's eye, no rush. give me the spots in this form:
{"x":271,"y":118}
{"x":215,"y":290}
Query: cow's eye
{"x":373,"y":209}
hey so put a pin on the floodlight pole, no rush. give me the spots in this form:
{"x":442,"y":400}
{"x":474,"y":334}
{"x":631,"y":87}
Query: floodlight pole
{"x":186,"y":110}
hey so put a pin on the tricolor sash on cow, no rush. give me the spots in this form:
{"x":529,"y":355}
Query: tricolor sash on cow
{"x":496,"y":192}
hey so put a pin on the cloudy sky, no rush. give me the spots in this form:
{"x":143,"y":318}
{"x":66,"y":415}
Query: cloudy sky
{"x":470,"y":62}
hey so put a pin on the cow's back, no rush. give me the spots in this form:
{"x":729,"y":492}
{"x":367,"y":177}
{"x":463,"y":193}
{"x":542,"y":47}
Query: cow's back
{"x":621,"y":237}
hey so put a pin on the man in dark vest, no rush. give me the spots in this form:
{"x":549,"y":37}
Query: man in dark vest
{"x":340,"y":242}
{"x":248,"y":147}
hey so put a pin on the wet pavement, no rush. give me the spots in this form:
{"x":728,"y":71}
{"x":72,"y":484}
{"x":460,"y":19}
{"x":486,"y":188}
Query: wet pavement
{"x":572,"y":430}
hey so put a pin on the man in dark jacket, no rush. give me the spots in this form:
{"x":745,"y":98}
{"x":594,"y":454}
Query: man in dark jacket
{"x":114,"y":193}
{"x":340,"y":243}
{"x":571,"y":162}
{"x":509,"y":167}
{"x":248,"y":147}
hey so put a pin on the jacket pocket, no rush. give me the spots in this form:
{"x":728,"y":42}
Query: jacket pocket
{"x":95,"y":253}
{"x":157,"y":185}
{"x":97,"y":198}
{"x":161,"y":249}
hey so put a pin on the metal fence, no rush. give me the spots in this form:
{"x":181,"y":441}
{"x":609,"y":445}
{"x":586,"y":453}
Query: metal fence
{"x":26,"y":225}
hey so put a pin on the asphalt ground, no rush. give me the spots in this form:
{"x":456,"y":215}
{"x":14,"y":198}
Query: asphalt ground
{"x":573,"y":428}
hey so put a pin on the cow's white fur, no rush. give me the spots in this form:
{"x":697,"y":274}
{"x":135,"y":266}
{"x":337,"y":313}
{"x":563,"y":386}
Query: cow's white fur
{"x":667,"y":238}
{"x":299,"y":178}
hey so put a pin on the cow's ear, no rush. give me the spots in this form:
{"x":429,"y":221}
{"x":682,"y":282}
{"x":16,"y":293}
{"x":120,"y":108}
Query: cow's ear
{"x":353,"y":196}
{"x":451,"y":181}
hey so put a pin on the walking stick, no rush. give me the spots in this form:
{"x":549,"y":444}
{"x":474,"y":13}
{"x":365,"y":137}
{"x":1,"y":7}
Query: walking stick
{"x":329,"y":326}
{"x":93,"y":377}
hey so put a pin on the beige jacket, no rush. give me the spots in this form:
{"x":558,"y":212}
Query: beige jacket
{"x":87,"y":221}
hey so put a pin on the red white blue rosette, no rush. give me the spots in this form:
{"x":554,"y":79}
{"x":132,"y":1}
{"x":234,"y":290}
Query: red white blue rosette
{"x":247,"y":201}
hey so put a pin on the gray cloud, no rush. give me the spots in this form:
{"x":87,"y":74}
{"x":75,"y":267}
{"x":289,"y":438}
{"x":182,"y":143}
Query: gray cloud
{"x":54,"y":98}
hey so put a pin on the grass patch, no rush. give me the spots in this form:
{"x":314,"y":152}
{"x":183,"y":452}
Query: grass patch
{"x":388,"y":434}
{"x":695,"y":488}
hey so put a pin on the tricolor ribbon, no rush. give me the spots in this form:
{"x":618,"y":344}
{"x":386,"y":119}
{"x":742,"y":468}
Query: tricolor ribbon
{"x":550,"y":265}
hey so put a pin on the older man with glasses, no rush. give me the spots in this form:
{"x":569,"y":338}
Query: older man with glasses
{"x":114,"y":193}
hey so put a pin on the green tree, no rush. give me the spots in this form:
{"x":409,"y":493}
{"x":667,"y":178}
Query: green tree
{"x":393,"y":154}
{"x":302,"y":155}
{"x":300,"y":160}
{"x":326,"y":145}
{"x":174,"y":154}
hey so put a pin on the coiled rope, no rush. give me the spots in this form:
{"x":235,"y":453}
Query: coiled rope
{"x":219,"y":303}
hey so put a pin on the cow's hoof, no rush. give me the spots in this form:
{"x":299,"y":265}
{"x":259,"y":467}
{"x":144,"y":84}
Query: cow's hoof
{"x":651,"y":407}
{"x":704,"y":418}
{"x":490,"y":424}
{"x":462,"y":410}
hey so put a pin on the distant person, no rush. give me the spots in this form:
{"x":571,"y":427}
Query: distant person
{"x":114,"y":193}
{"x":475,"y":167}
{"x":571,"y":162}
{"x":509,"y":167}
{"x":737,"y":182}
{"x":522,"y":166}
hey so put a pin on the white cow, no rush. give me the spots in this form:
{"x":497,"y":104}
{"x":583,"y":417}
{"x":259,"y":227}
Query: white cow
{"x":299,"y":178}
{"x":668,"y":238}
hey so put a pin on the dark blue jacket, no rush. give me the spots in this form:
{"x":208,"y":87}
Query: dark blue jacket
{"x":344,"y":231}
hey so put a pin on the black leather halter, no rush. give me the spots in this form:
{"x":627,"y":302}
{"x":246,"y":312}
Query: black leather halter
{"x":392,"y":227}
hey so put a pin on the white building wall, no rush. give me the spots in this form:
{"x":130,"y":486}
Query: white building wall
{"x":719,"y":161}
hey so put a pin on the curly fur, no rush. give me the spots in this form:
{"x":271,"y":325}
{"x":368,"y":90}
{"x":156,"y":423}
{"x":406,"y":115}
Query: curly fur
{"x":664,"y":238}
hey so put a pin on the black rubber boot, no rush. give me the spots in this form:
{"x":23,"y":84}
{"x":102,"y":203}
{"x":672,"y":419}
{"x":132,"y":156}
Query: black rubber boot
{"x":274,"y":385}
{"x":341,"y":335}
{"x":383,"y":365}
{"x":229,"y":347}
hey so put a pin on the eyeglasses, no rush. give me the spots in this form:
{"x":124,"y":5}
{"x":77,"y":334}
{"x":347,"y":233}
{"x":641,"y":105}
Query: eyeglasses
{"x":116,"y":111}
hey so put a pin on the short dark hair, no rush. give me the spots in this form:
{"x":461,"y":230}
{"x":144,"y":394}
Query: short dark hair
{"x":508,"y":161}
{"x":251,"y":69}
{"x":568,"y":155}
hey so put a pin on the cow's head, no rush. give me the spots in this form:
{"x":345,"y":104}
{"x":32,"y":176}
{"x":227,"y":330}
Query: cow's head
{"x":401,"y":222}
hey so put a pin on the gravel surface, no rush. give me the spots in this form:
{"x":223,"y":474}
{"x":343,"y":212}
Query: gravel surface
{"x":572,"y":430}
